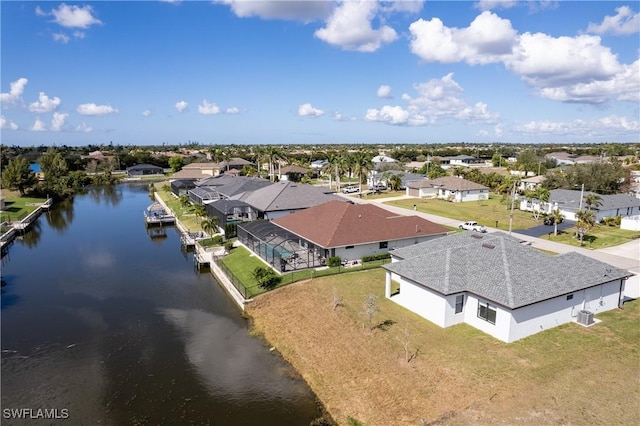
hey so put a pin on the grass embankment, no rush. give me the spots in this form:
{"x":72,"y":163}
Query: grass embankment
{"x":185,"y":215}
{"x":485,"y":212}
{"x":567,"y":375}
{"x":17,"y":208}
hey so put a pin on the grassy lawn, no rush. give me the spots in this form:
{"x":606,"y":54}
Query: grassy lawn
{"x":17,"y":208}
{"x":486,"y":212}
{"x":242,"y":263}
{"x":459,"y":375}
{"x":600,"y":236}
{"x":184,"y":215}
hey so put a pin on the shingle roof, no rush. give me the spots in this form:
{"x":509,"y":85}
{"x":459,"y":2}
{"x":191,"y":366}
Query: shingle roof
{"x":230,"y":185}
{"x":339,"y":223}
{"x":287,"y":196}
{"x":570,"y":199}
{"x":292,"y":168}
{"x":499,"y":268}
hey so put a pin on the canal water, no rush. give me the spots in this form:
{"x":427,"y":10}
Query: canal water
{"x":110,"y":326}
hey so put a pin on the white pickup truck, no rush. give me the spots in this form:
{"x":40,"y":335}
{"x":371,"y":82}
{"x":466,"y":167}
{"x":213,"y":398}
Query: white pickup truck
{"x":472,"y":226}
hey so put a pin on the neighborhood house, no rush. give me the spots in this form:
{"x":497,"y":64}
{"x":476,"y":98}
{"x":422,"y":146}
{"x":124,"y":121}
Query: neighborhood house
{"x":448,"y":188}
{"x":498,"y":285}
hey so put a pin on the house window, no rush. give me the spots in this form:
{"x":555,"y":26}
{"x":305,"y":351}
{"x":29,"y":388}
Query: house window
{"x":569,"y":296}
{"x":459,"y":303}
{"x":384,"y":244}
{"x":349,"y":247}
{"x":487,"y":312}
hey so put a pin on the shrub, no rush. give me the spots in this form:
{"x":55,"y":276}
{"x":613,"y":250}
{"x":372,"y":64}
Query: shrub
{"x":334,"y":261}
{"x":216,"y":240}
{"x":228,"y":246}
{"x":378,"y":256}
{"x":266,"y":277}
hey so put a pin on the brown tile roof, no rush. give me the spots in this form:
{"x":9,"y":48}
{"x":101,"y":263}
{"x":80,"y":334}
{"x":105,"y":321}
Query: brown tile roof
{"x":337,"y":224}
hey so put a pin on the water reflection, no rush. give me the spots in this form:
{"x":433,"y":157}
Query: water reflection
{"x":31,"y":237}
{"x":109,"y":194}
{"x":61,"y":215}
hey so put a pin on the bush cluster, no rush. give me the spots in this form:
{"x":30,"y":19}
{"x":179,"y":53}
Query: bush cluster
{"x":378,"y":256}
{"x":334,"y":261}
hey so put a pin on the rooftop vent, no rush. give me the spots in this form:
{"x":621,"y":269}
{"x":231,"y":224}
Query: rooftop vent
{"x":489,"y":246}
{"x":477,"y":236}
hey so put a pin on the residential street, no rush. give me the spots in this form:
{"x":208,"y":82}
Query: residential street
{"x":625,"y":256}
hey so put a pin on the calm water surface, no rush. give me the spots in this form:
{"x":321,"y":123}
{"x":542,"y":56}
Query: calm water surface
{"x":118,"y":328}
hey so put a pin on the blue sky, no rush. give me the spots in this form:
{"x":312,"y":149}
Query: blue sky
{"x":302,"y":72}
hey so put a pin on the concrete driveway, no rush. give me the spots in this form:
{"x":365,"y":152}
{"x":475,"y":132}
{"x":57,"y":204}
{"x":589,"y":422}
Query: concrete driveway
{"x":543,"y":230}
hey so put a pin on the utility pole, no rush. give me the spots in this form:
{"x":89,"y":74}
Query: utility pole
{"x":581,"y":197}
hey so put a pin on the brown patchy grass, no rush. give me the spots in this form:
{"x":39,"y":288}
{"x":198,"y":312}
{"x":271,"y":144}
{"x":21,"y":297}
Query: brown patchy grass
{"x":568,"y":375}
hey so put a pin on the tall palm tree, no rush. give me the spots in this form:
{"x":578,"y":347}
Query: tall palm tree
{"x":200,"y":211}
{"x":557,"y":218}
{"x":592,"y":200}
{"x":585,"y":221}
{"x":542,"y":195}
{"x":210,"y":225}
{"x":361,"y":166}
{"x":273,"y":154}
{"x":328,"y":168}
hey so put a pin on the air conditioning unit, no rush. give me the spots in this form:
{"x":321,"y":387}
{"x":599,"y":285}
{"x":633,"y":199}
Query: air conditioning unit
{"x":585,"y":317}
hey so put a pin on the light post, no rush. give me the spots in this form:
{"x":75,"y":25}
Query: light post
{"x":581,"y":197}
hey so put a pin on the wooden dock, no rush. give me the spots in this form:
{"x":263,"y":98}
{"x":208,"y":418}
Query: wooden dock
{"x":160,"y":220}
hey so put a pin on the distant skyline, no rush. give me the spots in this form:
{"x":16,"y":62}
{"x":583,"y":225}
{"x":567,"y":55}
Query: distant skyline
{"x":315,"y":72}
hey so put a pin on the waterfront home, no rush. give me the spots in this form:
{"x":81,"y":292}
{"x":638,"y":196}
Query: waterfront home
{"x":448,"y":188}
{"x":224,"y":186}
{"x":307,"y":238}
{"x":203,"y":170}
{"x":144,"y":170}
{"x":283,"y":198}
{"x":498,"y":285}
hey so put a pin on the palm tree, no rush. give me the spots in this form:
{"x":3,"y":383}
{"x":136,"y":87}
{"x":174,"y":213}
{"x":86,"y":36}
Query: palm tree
{"x":557,"y":217}
{"x":542,"y":194}
{"x":395,"y":182}
{"x":592,"y":200}
{"x":272,"y":154}
{"x":585,"y":221}
{"x":328,"y":168}
{"x":200,"y":211}
{"x":362,"y":165}
{"x":210,"y":225}
{"x":184,"y":201}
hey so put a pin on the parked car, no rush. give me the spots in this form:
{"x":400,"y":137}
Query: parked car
{"x":350,"y":189}
{"x":472,"y":226}
{"x":551,"y":220}
{"x":378,"y":187}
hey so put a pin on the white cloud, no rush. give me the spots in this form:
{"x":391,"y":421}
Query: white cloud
{"x":58,"y":120}
{"x":305,"y":11}
{"x":93,"y":109}
{"x":350,"y":27}
{"x":622,"y":23}
{"x":306,"y":110}
{"x":45,"y":104}
{"x":38,"y":126}
{"x":74,"y":16}
{"x":182,"y":106}
{"x":146,"y":112}
{"x":623,"y":86}
{"x":601,"y":128}
{"x":7,"y":124}
{"x":495,"y":4}
{"x":233,"y":110}
{"x":83,"y":128}
{"x":487,"y":39}
{"x":436,"y":99}
{"x":62,"y":38}
{"x":208,"y":109}
{"x":408,"y":6}
{"x":568,"y":69}
{"x":339,"y":117}
{"x":79,"y":34}
{"x":384,"y":92}
{"x":15,"y":92}
{"x":498,"y":130}
{"x":40,"y":12}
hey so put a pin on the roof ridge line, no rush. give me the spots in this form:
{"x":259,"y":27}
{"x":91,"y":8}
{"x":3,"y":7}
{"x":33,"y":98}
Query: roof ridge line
{"x":507,"y":274}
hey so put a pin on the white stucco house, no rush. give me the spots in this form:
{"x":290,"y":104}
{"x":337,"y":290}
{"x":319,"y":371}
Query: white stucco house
{"x":448,"y":188}
{"x":496,"y":284}
{"x":568,"y":203}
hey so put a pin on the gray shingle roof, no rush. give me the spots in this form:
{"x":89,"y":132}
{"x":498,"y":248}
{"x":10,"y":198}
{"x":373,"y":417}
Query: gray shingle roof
{"x":499,"y":268}
{"x":570,"y":199}
{"x":287,"y":196}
